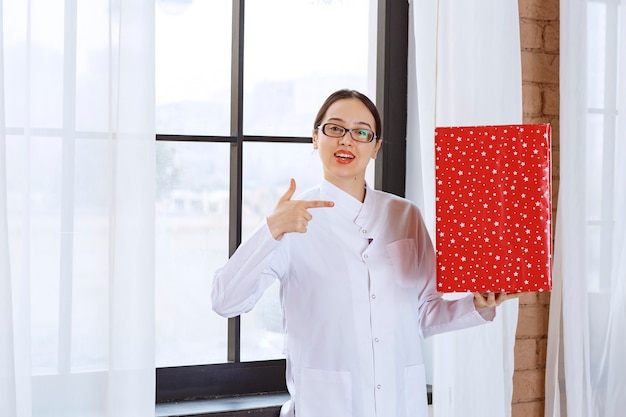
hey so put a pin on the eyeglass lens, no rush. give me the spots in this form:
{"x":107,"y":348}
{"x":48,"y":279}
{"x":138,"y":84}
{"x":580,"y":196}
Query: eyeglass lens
{"x":336,"y":131}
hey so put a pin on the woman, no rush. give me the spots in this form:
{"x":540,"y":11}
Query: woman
{"x":357,"y":274}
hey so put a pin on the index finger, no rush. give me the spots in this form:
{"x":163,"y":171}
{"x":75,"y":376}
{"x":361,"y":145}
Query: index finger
{"x":317,"y":203}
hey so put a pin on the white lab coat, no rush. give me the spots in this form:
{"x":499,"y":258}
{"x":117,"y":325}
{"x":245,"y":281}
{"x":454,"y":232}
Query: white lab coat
{"x":357,"y":292}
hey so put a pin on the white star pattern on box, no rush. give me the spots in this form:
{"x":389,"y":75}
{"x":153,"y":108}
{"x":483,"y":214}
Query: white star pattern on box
{"x":493,"y":228}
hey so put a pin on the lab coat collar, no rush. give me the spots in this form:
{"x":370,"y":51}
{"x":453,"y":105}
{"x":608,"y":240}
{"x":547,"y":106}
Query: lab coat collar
{"x":369,"y":202}
{"x":342,"y":199}
{"x":358,"y":211}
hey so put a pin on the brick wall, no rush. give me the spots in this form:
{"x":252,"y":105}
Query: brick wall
{"x":539,"y":29}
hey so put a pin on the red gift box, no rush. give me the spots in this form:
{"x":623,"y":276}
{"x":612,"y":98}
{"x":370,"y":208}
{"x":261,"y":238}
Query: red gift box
{"x":493,"y":208}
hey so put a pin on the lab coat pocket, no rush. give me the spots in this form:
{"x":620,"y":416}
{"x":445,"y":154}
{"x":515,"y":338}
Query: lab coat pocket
{"x":403,"y":256}
{"x":415,"y":390}
{"x":324,"y":393}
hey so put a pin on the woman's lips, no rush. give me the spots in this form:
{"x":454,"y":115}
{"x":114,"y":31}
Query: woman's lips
{"x":344,"y":157}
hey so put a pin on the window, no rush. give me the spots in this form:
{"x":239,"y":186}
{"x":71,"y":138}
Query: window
{"x":232,"y":128}
{"x":602,"y":118}
{"x":601,"y":175}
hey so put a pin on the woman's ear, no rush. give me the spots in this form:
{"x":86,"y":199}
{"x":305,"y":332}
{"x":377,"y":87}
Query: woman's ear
{"x":379,"y":143}
{"x":315,"y":139}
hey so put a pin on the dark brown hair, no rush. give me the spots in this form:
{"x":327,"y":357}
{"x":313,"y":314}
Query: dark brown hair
{"x":346,"y":94}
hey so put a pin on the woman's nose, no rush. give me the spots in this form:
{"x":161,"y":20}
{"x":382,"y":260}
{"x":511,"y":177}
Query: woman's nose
{"x":345,"y":139}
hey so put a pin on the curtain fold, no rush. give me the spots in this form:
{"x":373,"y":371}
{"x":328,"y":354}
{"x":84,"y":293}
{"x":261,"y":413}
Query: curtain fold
{"x":586,"y":372}
{"x":7,"y":376}
{"x":466,"y":70}
{"x":77,"y":186}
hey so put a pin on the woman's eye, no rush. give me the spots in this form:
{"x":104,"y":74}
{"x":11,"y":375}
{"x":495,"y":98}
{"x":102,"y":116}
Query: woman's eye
{"x":364,"y":134}
{"x":335,"y":129}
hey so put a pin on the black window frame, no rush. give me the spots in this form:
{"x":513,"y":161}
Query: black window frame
{"x":234,"y":377}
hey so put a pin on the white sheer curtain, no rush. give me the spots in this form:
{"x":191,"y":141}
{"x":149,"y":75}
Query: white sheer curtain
{"x":465,"y":70}
{"x":586,"y":366}
{"x":77,"y":186}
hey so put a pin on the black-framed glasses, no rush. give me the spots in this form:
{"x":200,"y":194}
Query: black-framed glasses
{"x":359,"y":134}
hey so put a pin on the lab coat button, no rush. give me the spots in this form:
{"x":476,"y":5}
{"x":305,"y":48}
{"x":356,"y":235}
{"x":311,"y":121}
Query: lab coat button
{"x":364,"y":231}
{"x":365,"y":255}
{"x":379,"y":386}
{"x":373,"y":296}
{"x":376,"y":339}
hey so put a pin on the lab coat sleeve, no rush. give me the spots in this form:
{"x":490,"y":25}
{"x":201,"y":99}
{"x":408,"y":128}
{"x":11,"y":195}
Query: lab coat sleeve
{"x":254,"y":266}
{"x":438,"y":315}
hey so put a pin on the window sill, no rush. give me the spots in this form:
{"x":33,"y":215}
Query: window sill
{"x":251,"y":405}
{"x":262,"y":405}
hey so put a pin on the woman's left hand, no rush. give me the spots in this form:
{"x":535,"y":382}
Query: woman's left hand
{"x":492,"y":299}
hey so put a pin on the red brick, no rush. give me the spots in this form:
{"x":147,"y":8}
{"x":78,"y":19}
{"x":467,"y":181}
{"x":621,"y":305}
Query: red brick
{"x":528,"y":409}
{"x":543,"y":298}
{"x":551,"y":100}
{"x":532,"y":321}
{"x":539,"y":120}
{"x":531,"y":34}
{"x":532,"y":102}
{"x":554,"y":122}
{"x":551,"y":37}
{"x":528,"y":298}
{"x":540,"y":67}
{"x":542,"y":351}
{"x":528,"y":385}
{"x":539,"y":9}
{"x":525,"y":354}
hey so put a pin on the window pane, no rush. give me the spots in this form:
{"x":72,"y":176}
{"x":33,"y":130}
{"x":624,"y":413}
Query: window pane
{"x":191,"y":243}
{"x":92,"y":227}
{"x":596,"y":62}
{"x":45,"y":87}
{"x":34,"y":227}
{"x":593,"y":154}
{"x":266,"y":173}
{"x":92,"y":69}
{"x":297,"y":52}
{"x":193,"y":43}
{"x":55,"y":255}
{"x":593,"y":257}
